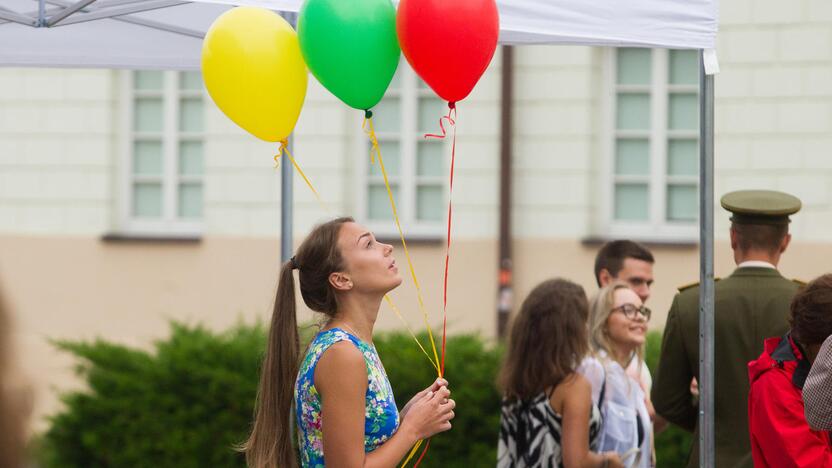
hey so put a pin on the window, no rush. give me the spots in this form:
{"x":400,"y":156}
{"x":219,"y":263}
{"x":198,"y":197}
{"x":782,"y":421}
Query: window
{"x":651,"y":144}
{"x":164,"y":148}
{"x":416,"y":166}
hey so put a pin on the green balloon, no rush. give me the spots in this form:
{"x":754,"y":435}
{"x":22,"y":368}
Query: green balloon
{"x":351,"y":47}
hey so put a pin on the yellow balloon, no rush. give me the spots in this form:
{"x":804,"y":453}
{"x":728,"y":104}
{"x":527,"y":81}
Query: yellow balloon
{"x":254,"y":71}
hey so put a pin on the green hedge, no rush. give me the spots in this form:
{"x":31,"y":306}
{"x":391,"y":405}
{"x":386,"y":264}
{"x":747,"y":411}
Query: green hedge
{"x":672,"y":445}
{"x":190,"y":399}
{"x":183,"y":405}
{"x":470,"y":368}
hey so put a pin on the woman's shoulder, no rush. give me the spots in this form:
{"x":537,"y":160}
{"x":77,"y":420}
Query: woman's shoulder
{"x":575,"y":387}
{"x":575,"y":382}
{"x":334,"y":344}
{"x":340,"y":361}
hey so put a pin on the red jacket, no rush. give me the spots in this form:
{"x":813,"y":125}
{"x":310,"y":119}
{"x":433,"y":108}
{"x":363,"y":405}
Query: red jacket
{"x":780,"y":435}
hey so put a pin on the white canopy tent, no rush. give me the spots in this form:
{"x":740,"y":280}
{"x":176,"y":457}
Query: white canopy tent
{"x":167,"y":34}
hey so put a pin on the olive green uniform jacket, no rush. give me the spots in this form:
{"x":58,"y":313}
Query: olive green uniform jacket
{"x":750,"y":305}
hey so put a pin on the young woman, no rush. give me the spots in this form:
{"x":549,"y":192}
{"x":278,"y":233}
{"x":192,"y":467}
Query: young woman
{"x":548,"y":417}
{"x":618,"y":331}
{"x":344,"y":407}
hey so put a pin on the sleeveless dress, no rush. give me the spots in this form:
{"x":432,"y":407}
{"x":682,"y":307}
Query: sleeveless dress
{"x":381,"y":417}
{"x":530,"y":434}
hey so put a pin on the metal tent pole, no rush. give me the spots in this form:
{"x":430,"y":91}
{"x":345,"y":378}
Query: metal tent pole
{"x":706,"y":266}
{"x":286,"y":212}
{"x":286,"y":186}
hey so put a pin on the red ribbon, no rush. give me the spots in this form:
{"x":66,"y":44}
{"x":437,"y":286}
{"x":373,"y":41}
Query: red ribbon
{"x":424,"y":451}
{"x":451,"y":118}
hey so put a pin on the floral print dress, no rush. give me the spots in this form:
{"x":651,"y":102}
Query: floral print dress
{"x":381,"y":417}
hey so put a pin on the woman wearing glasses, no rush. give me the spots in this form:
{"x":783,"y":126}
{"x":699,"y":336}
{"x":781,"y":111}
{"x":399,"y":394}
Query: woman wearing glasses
{"x":617,"y":332}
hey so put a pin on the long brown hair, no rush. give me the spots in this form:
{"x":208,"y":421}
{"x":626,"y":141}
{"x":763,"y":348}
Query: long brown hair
{"x":270,"y":442}
{"x":14,"y":404}
{"x":548,"y":339}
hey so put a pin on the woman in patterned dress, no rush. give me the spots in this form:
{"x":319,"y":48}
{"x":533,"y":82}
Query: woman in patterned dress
{"x":548,"y":418}
{"x":344,"y":407}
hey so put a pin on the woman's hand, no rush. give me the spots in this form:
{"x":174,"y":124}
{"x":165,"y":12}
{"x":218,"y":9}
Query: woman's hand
{"x":430,"y":414}
{"x":435,"y":386}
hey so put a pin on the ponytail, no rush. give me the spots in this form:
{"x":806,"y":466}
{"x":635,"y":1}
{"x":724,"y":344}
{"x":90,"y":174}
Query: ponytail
{"x":270,"y":442}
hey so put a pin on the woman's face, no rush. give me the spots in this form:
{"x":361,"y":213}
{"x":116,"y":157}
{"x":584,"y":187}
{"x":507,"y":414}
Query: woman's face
{"x":370,"y":266}
{"x":626,"y":333}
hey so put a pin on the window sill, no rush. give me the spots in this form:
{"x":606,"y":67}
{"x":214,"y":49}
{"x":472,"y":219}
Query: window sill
{"x":411,"y":240}
{"x":682,"y":242}
{"x":124,"y":238}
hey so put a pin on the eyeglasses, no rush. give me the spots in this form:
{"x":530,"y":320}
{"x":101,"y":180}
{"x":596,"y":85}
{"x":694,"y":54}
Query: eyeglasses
{"x":630,"y":310}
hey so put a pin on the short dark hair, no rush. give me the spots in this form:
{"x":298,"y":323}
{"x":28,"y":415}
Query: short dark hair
{"x":811,"y":312}
{"x":612,"y":255}
{"x":760,"y":236}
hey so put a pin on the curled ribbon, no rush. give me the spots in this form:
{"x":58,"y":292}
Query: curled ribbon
{"x":284,"y":149}
{"x":451,"y":119}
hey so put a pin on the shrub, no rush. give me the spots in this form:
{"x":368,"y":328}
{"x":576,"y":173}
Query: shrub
{"x":470,"y":368}
{"x":189,"y":400}
{"x":672,"y":445}
{"x":184,"y":405}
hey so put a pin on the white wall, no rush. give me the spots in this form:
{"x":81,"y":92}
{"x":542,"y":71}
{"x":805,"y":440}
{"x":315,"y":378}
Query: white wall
{"x":56,"y":151}
{"x":774,"y":106}
{"x":556,"y":130}
{"x":59,"y":140}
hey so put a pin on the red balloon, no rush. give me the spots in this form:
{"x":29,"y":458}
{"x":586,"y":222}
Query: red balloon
{"x":449,"y":43}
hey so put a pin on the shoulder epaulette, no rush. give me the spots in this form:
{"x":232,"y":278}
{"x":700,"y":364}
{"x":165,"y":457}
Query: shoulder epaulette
{"x":687,"y":286}
{"x":692,"y":285}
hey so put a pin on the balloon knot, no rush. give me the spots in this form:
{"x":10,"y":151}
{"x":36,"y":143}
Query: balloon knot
{"x":368,"y":114}
{"x":451,"y":105}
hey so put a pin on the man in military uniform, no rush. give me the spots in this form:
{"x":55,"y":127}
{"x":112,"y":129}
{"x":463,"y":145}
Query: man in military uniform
{"x":750,"y":305}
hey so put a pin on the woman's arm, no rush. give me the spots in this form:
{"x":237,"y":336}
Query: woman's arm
{"x":341,"y":380}
{"x":577,"y":407}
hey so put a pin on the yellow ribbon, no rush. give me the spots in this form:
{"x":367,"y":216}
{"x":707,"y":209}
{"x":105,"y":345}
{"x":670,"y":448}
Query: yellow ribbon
{"x":367,"y":126}
{"x":412,"y":453}
{"x":284,"y":149}
{"x":410,"y":330}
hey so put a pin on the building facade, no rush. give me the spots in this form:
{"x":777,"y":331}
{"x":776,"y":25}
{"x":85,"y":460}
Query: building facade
{"x":127,"y":199}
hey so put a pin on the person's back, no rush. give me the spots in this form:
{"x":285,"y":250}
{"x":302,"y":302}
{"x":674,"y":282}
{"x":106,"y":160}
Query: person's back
{"x":749,"y":306}
{"x":547,"y":415}
{"x":752,"y":304}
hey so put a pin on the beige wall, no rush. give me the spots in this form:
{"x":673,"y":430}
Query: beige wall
{"x":83,"y":288}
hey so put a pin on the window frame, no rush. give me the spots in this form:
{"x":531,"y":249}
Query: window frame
{"x":169,"y":225}
{"x":657,"y":228}
{"x":409,"y":92}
